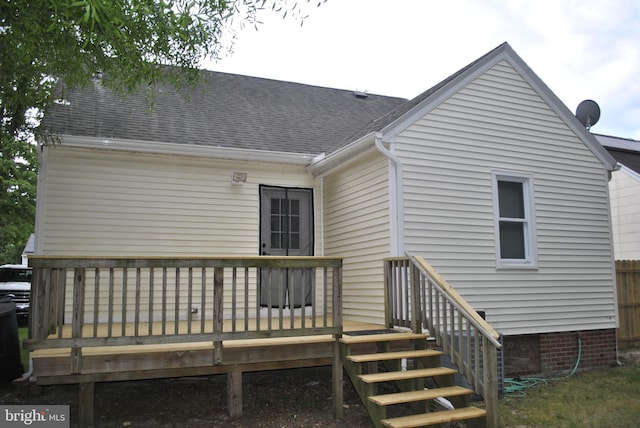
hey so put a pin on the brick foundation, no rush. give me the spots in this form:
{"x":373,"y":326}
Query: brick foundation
{"x":552,"y":353}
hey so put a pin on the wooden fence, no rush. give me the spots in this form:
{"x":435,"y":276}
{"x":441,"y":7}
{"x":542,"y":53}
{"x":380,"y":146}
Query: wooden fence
{"x":628,"y":280}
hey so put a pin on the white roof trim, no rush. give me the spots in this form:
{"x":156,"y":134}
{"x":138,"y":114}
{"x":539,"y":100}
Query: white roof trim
{"x":186,"y":150}
{"x":506,"y":53}
{"x":323,"y":165}
{"x":631,"y":173}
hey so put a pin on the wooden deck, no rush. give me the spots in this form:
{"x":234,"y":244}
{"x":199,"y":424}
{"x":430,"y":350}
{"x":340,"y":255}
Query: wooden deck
{"x":90,"y":320}
{"x":136,"y":362}
{"x":128,"y":362}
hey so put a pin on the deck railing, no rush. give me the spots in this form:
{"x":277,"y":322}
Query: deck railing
{"x":419,"y":298}
{"x":81,"y":302}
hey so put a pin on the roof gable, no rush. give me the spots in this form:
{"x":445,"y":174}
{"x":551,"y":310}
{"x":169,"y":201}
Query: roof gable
{"x":396,"y":121}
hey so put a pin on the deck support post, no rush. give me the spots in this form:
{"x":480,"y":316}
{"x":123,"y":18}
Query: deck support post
{"x":490,"y":388}
{"x":85,"y":404}
{"x":234,"y":393}
{"x":337,"y":377}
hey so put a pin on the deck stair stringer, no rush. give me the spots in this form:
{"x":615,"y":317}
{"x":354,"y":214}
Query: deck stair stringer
{"x":394,"y":393}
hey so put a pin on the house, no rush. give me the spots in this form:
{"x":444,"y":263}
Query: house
{"x":487,"y":176}
{"x":28,"y":249}
{"x":624,"y":190}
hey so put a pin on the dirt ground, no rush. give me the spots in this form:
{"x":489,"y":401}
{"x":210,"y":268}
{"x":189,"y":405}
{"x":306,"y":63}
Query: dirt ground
{"x":280,"y":398}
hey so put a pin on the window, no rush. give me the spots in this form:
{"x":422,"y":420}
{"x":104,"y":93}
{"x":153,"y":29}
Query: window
{"x":514,"y":220}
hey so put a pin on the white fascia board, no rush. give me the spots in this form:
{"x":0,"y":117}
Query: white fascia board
{"x":141,"y":146}
{"x":560,"y":109}
{"x":631,"y":173}
{"x":325,"y":164}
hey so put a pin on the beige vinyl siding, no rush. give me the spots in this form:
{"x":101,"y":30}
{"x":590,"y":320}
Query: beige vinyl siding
{"x":115,"y":203}
{"x":625,"y":214}
{"x":356,"y":217}
{"x":105,"y":203}
{"x":498,"y":123}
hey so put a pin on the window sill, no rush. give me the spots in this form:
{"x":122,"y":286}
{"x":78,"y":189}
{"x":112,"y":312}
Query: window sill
{"x":517,"y":266}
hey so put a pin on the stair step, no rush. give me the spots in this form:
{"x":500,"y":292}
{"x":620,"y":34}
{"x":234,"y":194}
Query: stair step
{"x":385,"y":356}
{"x":388,"y":337}
{"x":405,"y":375}
{"x":421,"y":395}
{"x":433,"y":418}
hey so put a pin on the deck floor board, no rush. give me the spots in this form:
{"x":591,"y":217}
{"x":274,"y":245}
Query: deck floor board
{"x":188,"y":346}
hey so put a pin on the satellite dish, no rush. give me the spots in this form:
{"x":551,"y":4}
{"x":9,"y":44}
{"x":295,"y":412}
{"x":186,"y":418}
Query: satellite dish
{"x":588,"y":113}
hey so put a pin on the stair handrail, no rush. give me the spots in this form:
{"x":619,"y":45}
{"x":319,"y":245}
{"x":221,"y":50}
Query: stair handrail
{"x":457,"y":300}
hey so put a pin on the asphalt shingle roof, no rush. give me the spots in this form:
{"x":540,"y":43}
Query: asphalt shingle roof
{"x":226,"y":110}
{"x":625,"y":150}
{"x":628,"y":159}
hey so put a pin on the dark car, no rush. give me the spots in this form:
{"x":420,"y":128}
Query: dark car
{"x":15,"y":284}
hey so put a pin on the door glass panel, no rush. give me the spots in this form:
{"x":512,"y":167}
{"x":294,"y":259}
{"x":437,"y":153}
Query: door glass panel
{"x":285,"y":224}
{"x":275,"y":240}
{"x":275,"y":206}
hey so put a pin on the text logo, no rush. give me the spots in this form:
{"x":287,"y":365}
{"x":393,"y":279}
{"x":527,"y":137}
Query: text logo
{"x":34,"y":416}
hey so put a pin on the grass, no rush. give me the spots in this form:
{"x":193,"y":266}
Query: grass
{"x":593,"y":399}
{"x":23,"y":332}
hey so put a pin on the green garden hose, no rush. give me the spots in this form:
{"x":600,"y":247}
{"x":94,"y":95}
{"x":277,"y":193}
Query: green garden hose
{"x":516,"y":387}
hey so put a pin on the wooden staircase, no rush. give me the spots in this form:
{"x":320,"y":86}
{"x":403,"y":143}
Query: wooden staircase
{"x":399,"y":398}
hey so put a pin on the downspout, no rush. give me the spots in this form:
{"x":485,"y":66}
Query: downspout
{"x":322,"y":216}
{"x":397,"y":213}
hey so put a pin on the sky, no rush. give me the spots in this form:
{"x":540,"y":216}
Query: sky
{"x":586,"y":49}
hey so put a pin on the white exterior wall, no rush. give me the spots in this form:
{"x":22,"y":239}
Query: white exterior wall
{"x":499,"y":123}
{"x":625,"y":213}
{"x":102,"y":203}
{"x":356,"y":217}
{"x":116,"y":203}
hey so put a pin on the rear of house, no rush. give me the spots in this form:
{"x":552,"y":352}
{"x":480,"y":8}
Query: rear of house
{"x":494,"y":182}
{"x":509,"y":202}
{"x":487,"y":176}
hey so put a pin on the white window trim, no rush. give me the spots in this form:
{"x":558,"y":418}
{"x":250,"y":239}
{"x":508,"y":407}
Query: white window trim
{"x":531,"y":252}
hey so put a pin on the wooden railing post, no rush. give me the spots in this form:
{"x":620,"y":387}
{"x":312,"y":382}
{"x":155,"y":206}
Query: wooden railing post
{"x":218,"y":312}
{"x":416,"y":318}
{"x":77,"y":320}
{"x":388,"y":283}
{"x":337,"y":369}
{"x":337,"y":297}
{"x":53,"y":283}
{"x":38,"y":306}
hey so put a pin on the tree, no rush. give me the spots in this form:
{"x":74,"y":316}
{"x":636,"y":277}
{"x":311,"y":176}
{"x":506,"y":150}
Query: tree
{"x":126,"y":41}
{"x":18,"y":177}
